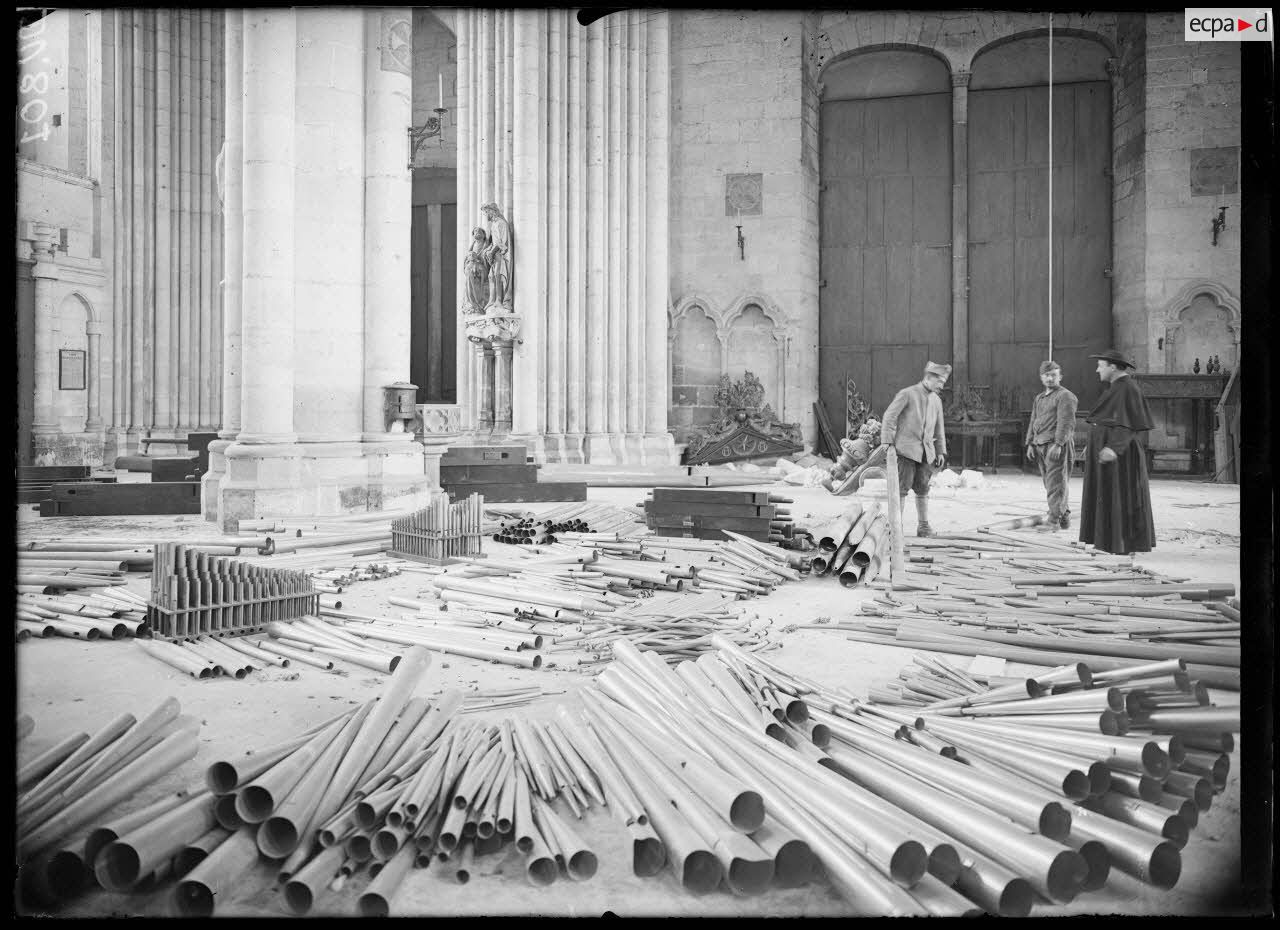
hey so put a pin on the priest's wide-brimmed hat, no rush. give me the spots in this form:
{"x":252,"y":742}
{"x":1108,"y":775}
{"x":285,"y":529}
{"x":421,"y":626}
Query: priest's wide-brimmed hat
{"x":1115,"y":357}
{"x":933,"y":368}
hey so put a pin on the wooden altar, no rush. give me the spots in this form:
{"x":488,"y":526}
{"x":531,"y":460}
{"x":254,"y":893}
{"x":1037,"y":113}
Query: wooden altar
{"x":1202,"y":392}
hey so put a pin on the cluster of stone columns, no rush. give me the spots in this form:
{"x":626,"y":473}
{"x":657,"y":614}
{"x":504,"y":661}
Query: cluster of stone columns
{"x":166,"y":324}
{"x":566,"y":128}
{"x":316,"y":217}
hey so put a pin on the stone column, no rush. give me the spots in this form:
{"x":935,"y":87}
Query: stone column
{"x":633,"y":135}
{"x":557,"y":247}
{"x":232,"y":224}
{"x":388,"y":205}
{"x":529,"y":224}
{"x":576,"y":244}
{"x":659,"y":446}
{"x":93,"y":329}
{"x":169,"y":105}
{"x":464,"y":119}
{"x":44,"y":423}
{"x":960,"y":226}
{"x":232,"y":256}
{"x":596,"y":447}
{"x":485,"y":420}
{"x":266,"y":412}
{"x":502,"y":401}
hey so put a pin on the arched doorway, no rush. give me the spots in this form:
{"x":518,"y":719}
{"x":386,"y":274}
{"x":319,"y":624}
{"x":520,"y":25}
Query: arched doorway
{"x":1008,"y":222}
{"x":885,"y":299}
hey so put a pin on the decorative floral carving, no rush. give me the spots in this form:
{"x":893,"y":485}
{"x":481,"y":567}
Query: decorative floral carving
{"x":491,"y":327}
{"x":747,"y":428}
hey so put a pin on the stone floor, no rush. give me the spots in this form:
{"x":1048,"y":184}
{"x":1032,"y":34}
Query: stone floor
{"x":67,"y":685}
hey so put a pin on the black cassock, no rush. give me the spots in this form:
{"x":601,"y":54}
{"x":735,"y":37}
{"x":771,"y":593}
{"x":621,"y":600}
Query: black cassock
{"x":1116,"y":507}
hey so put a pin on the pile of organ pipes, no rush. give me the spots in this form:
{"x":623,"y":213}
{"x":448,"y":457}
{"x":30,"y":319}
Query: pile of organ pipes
{"x":950,"y":815}
{"x":54,"y":566}
{"x":1042,"y":601}
{"x":1141,"y":744}
{"x":522,"y":528}
{"x":854,"y":548}
{"x":531,"y":532}
{"x":69,"y":789}
{"x":727,"y":770}
{"x":112,"y":613}
{"x":667,"y":595}
{"x":194,"y":594}
{"x":333,"y":580}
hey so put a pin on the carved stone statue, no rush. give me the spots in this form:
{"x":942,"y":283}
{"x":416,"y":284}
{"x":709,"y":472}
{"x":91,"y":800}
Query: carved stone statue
{"x":475,"y":273}
{"x":498,"y":255}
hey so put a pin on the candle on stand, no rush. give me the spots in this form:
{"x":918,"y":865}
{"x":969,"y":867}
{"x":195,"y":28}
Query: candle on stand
{"x":441,"y":77}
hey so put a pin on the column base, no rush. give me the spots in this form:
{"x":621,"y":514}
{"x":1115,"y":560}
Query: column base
{"x":633,"y":444}
{"x":553,"y":448}
{"x":212,"y":479}
{"x":660,"y":449}
{"x":316,"y":479}
{"x":597,"y":449}
{"x":571,"y":449}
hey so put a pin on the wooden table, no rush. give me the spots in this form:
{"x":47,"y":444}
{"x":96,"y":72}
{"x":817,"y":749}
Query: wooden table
{"x":971,"y":432}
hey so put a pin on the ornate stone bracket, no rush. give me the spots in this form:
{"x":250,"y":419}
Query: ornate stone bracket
{"x":493,"y":336}
{"x":481,"y":328}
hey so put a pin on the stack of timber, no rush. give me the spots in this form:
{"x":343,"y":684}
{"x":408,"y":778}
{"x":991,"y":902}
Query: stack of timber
{"x":501,"y":473}
{"x":676,"y":476}
{"x":97,"y":498}
{"x":693,"y":513}
{"x":193,"y":594}
{"x":854,"y":548}
{"x":440,"y":533}
{"x":111,"y":613}
{"x":35,"y":482}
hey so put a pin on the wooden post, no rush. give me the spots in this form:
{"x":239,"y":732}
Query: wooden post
{"x":895,"y":514}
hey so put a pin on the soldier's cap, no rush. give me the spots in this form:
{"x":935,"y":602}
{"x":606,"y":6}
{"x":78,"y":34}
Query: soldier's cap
{"x":933,"y":368}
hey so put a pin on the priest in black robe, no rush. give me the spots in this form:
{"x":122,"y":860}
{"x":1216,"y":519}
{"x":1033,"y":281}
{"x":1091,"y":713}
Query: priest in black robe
{"x":1116,"y":506}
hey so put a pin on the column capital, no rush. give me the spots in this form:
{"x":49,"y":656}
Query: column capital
{"x":960,"y":77}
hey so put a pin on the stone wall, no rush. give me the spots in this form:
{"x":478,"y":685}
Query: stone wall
{"x":435,"y":59}
{"x":1129,"y":191}
{"x":737,"y":109}
{"x":1192,"y":105}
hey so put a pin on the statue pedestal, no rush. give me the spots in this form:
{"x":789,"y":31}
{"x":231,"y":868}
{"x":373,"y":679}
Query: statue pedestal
{"x":494,"y":337}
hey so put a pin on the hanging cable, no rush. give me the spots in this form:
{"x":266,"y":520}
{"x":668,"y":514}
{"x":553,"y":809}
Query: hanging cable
{"x":1051,"y":186}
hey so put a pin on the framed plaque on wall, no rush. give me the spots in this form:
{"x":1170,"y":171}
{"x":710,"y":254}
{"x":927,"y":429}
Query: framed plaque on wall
{"x":71,"y":369}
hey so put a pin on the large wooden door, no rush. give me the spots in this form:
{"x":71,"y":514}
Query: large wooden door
{"x":433,"y":297}
{"x":885,"y":302}
{"x":1009,"y":236}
